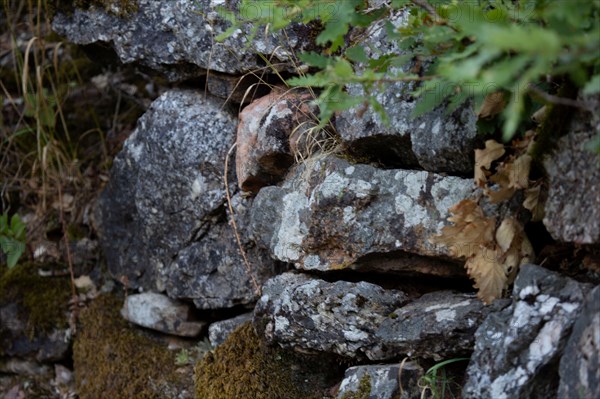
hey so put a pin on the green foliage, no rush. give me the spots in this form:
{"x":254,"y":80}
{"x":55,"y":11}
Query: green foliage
{"x":12,"y":238}
{"x":438,"y":384}
{"x":471,"y":49}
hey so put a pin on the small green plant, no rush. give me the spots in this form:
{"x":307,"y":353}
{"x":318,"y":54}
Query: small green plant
{"x":193,"y":355}
{"x":12,"y":238}
{"x":437,"y":383}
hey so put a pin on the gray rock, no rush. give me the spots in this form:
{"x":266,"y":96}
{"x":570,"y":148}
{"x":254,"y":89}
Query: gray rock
{"x":160,"y":313}
{"x":579,"y":371}
{"x":330,"y":214}
{"x":342,"y":317}
{"x":212,"y":272}
{"x":162,"y":214}
{"x":177,"y":37}
{"x":220,"y":330}
{"x":572,"y":211}
{"x":517,"y":349}
{"x":384,"y":380}
{"x":438,"y":325}
{"x":165,"y":185}
{"x":436,"y":141}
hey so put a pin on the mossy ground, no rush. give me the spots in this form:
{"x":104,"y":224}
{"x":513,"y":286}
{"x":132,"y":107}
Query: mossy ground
{"x":245,"y":367}
{"x":44,"y":301}
{"x":113,"y":359}
{"x":364,"y":389}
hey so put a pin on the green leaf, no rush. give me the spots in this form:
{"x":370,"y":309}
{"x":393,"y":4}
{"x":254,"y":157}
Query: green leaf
{"x":357,"y":54}
{"x":593,"y":86}
{"x":343,"y":69}
{"x":12,"y":257}
{"x":17,"y":227}
{"x":313,"y":59}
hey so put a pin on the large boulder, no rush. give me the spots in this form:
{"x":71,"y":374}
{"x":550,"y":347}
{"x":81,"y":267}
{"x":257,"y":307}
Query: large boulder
{"x":438,"y":141}
{"x":329,"y":214}
{"x":517,"y":349}
{"x":162,"y":215}
{"x":177,"y":37}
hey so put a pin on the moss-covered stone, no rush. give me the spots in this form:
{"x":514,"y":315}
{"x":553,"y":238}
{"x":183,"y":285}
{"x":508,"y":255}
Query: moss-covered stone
{"x":364,"y":389}
{"x":113,"y":359}
{"x":245,"y":367}
{"x":43,"y":301}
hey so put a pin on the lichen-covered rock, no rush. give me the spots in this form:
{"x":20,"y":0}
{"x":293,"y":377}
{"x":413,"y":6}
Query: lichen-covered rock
{"x":264,"y":138}
{"x":160,"y":313}
{"x":438,"y":325}
{"x":33,"y":315}
{"x":383,"y":381}
{"x":113,"y":359}
{"x":178,"y":37}
{"x":165,"y":185}
{"x":436,"y":141}
{"x":309,"y":314}
{"x":572,"y":211}
{"x":517,"y":349}
{"x":579,"y":371}
{"x":220,"y":330}
{"x":162,"y":216}
{"x":329,"y":214}
{"x":212,"y":272}
{"x":245,"y":367}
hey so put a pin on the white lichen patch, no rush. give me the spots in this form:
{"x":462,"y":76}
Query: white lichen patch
{"x":445,"y":315}
{"x":291,"y":231}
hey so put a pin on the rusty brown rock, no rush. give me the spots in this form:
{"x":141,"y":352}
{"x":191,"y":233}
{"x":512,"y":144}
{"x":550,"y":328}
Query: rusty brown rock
{"x":266,"y":127}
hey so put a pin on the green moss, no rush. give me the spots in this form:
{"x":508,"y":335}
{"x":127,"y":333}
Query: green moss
{"x":364,"y":389}
{"x":245,"y":367}
{"x":44,"y":301}
{"x":116,"y":360}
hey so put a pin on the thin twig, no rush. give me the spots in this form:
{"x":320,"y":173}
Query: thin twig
{"x":234,"y":224}
{"x":552,"y":99}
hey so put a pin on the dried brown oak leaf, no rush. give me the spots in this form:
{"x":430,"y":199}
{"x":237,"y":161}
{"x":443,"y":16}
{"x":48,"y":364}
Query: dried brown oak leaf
{"x":488,"y":273}
{"x":470,"y":230}
{"x":493,"y":104}
{"x":484,"y":158}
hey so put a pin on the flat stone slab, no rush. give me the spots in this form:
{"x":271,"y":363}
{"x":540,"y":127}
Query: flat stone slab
{"x":329,"y":214}
{"x":177,"y":37}
{"x":161,"y":313}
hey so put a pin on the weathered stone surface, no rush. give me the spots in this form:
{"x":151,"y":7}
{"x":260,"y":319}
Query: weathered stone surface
{"x":342,"y":317}
{"x":384,"y":380}
{"x":435,"y":141}
{"x":177,"y":37}
{"x":579,"y":371}
{"x":572,"y":211}
{"x":212,"y":272}
{"x":331,"y":214}
{"x":438,"y":325}
{"x":266,"y":129}
{"x":165,"y":185}
{"x":517,"y":349}
{"x":160,"y":313}
{"x":220,"y":330}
